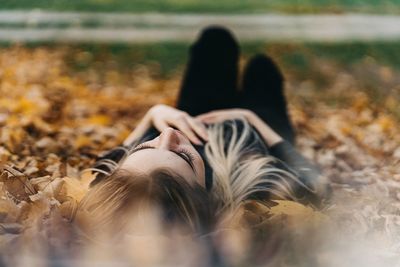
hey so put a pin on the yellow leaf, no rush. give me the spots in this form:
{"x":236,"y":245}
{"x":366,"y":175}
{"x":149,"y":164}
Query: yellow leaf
{"x":346,"y":130}
{"x":391,"y":102}
{"x":361,"y":102}
{"x":25,"y":106}
{"x":82,"y":141}
{"x":87,"y":177}
{"x":99,"y":120}
{"x":73,"y":188}
{"x":386,"y":123}
{"x":296,"y":211}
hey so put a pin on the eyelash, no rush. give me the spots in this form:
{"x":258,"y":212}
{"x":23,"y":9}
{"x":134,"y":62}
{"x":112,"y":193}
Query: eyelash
{"x":185,"y":152}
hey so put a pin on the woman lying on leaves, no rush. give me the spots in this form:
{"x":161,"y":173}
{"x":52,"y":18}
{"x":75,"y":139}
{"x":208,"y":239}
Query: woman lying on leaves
{"x":217,"y":149}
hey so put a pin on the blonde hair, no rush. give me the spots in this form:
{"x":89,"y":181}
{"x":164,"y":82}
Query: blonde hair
{"x":111,"y":204}
{"x":238,"y":172}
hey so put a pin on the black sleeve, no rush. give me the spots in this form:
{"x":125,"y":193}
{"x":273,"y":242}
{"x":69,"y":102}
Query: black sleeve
{"x":307,"y":172}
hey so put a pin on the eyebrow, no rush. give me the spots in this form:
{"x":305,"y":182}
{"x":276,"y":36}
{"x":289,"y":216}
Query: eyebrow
{"x":176,"y":153}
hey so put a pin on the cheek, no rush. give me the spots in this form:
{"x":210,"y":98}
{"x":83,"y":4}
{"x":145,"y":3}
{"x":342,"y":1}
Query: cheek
{"x":201,"y":177}
{"x":200,"y":163}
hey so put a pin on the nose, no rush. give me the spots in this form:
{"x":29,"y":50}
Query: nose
{"x":169,"y":138}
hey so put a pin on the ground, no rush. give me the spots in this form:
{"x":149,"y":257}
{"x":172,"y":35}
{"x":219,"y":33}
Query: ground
{"x":62,"y":106}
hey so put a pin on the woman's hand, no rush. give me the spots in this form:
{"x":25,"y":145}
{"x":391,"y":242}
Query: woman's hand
{"x":266,"y":132}
{"x":225,"y":114}
{"x":163,"y":116}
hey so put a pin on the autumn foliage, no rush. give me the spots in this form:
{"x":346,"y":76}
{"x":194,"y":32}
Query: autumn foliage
{"x":54,"y":123}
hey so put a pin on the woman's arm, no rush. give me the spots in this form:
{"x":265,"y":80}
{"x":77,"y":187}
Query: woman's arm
{"x":290,"y":158}
{"x":270,"y":137}
{"x":140,"y":130}
{"x":267,"y":133}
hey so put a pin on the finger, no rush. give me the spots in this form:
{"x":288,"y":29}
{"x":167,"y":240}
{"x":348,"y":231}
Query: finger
{"x":198,"y":127}
{"x":207,"y":119}
{"x":160,"y":125}
{"x":183,"y":126}
{"x":218,"y":112}
{"x":205,"y":115}
{"x":212,"y":119}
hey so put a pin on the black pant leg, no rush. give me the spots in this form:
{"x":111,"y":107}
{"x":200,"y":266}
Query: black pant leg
{"x":263,"y":94}
{"x":210,"y":79}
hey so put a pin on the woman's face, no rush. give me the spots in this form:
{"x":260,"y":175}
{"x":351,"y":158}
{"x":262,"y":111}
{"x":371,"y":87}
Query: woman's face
{"x":171,"y":150}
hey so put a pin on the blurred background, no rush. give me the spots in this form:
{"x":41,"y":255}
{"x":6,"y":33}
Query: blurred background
{"x":305,"y":37}
{"x":77,"y":75}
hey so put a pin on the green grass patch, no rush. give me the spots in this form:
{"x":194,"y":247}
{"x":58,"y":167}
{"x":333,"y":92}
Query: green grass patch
{"x":210,"y":6}
{"x":172,"y":56}
{"x":371,"y":67}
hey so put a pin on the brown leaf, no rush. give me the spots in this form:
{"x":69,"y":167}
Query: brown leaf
{"x":17,"y":184}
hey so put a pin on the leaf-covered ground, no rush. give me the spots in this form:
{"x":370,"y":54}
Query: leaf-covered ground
{"x":54,"y":121}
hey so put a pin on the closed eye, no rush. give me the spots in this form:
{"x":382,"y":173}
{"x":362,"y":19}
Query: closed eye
{"x":183,"y":154}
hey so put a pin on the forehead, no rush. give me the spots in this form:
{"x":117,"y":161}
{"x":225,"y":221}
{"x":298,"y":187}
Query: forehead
{"x":148,"y":160}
